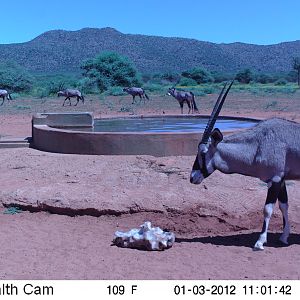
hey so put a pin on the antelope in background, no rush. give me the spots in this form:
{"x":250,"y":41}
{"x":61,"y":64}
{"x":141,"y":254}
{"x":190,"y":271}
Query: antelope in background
{"x":69,"y":93}
{"x":5,"y":94}
{"x":269,"y":151}
{"x":183,"y":96}
{"x":135,"y":91}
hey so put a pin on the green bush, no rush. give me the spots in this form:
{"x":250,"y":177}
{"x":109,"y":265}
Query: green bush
{"x":115,"y":91}
{"x":110,"y":69}
{"x":199,"y":75}
{"x":154,"y":87}
{"x":221,"y":77}
{"x":281,"y":81}
{"x":264,"y":78}
{"x":40,"y":92}
{"x":187,"y":82}
{"x":244,"y":76}
{"x":14,"y":78}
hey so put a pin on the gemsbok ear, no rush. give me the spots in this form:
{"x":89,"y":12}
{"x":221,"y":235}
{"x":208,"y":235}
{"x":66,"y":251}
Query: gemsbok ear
{"x":216,"y":136}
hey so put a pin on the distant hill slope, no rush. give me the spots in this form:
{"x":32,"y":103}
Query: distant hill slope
{"x":60,"y":51}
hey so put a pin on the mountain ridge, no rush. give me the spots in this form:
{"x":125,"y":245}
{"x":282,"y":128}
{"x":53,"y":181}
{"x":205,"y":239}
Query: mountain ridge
{"x":60,"y":51}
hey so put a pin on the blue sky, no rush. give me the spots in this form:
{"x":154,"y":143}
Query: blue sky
{"x":252,"y":21}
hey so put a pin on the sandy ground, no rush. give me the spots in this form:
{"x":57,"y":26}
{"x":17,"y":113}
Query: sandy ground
{"x":216,"y":223}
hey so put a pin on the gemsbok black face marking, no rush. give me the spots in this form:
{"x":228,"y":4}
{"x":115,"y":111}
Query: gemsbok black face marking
{"x":70,"y":93}
{"x":4,"y":94}
{"x":269,"y":151}
{"x":184,"y":97}
{"x":135,"y":91}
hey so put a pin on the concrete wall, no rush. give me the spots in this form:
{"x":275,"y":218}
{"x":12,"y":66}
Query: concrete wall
{"x":51,"y":139}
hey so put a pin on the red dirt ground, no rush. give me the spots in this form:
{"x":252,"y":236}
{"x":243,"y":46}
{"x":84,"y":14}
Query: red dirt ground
{"x":216,"y":223}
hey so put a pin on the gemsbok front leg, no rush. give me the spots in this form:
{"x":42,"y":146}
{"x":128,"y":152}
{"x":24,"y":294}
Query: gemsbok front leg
{"x":181,"y":107}
{"x":64,"y":101}
{"x":77,"y":101}
{"x":283,"y":205}
{"x":273,"y":193}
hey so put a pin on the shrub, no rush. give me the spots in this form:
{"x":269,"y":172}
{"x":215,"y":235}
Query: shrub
{"x":14,"y":78}
{"x":221,"y":77}
{"x":264,"y":78}
{"x":187,"y":82}
{"x":110,"y":69}
{"x":154,"y":87}
{"x":199,"y":75}
{"x":244,"y":76}
{"x":115,"y":91}
{"x":281,"y":81}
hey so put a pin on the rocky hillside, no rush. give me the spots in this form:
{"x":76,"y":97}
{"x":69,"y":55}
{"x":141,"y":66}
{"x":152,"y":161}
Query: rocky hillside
{"x":60,"y":51}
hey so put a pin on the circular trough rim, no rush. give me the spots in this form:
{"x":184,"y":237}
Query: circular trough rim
{"x":65,"y":129}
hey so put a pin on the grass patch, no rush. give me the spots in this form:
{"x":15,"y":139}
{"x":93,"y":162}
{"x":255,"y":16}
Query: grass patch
{"x":22,"y":107}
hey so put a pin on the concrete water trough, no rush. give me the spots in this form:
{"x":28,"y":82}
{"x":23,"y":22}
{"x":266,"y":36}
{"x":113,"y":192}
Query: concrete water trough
{"x":80,"y":133}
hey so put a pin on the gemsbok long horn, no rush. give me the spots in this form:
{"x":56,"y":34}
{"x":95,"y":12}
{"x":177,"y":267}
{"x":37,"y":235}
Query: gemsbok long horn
{"x":214,"y":115}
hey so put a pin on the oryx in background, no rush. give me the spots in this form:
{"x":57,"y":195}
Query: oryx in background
{"x":135,"y":91}
{"x":70,"y":93}
{"x":269,"y":151}
{"x":5,"y":94}
{"x":183,"y":96}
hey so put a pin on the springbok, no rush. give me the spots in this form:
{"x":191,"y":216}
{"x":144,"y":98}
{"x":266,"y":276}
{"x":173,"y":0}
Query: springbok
{"x":183,"y":96}
{"x":69,"y":93}
{"x":5,"y":94}
{"x":269,"y":151}
{"x":135,"y":91}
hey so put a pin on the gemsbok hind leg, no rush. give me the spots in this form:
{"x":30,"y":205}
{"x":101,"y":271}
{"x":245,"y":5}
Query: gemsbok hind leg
{"x":283,"y":206}
{"x":189,"y":105}
{"x":77,"y":101}
{"x":273,"y":193}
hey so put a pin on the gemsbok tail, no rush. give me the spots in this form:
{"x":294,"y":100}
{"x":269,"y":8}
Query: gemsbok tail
{"x":82,"y":99}
{"x":9,"y":96}
{"x":146,"y":96}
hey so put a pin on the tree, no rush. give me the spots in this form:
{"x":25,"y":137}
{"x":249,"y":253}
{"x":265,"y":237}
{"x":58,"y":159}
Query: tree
{"x":244,"y":76}
{"x":14,"y":78}
{"x":110,"y":69}
{"x":199,"y":75}
{"x":296,"y":66}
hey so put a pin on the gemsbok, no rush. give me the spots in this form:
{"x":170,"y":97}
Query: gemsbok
{"x":135,"y":91}
{"x":69,"y":93}
{"x":269,"y":151}
{"x":183,"y":96}
{"x":5,"y":94}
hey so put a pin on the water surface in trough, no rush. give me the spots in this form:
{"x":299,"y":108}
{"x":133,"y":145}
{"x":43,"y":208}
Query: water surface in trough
{"x":170,"y":124}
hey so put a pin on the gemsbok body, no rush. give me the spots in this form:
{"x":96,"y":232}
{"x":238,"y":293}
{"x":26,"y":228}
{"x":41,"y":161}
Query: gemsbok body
{"x":70,"y":93}
{"x":269,"y":151}
{"x":4,"y":94}
{"x":136,"y":91}
{"x":184,"y":97}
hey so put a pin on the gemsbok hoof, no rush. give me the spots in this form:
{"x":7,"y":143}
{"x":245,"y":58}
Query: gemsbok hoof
{"x":258,"y":246}
{"x":283,"y":240}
